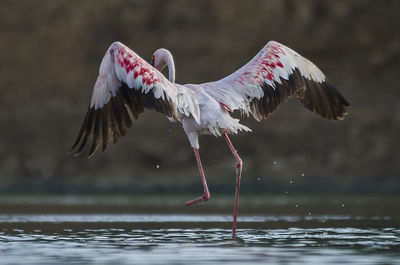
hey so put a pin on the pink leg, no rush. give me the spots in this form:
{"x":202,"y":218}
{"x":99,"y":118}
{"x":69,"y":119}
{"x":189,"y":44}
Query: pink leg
{"x":206,"y":194}
{"x":239,"y":173}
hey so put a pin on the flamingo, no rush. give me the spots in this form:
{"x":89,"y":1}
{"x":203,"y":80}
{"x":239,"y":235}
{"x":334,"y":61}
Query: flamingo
{"x":127,"y":84}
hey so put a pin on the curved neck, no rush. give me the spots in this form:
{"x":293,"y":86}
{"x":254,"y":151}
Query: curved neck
{"x":171,"y":67}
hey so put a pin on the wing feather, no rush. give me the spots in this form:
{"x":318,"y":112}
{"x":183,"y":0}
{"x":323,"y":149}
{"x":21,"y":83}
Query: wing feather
{"x":273,"y":76}
{"x":126,"y":85}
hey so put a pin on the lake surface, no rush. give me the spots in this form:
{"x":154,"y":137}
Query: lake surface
{"x":279,"y":229}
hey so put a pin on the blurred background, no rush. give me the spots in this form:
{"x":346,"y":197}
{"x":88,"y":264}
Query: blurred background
{"x":49,"y":59}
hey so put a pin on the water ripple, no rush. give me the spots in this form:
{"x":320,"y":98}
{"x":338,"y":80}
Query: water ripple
{"x":118,"y":245}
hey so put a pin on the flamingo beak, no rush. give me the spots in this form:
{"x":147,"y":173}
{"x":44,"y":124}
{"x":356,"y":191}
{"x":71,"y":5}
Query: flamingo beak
{"x":152,"y":61}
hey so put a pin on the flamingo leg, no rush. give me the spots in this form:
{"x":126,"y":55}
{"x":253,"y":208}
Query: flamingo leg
{"x":239,"y":166}
{"x":206,"y":194}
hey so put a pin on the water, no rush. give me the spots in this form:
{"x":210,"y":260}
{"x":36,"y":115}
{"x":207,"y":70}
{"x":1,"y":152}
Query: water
{"x":159,"y":230}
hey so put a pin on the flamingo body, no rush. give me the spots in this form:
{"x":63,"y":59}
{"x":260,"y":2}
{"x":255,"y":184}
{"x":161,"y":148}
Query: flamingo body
{"x":127,"y":85}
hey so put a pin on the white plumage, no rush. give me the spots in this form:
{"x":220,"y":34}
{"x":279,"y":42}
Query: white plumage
{"x":127,"y":84}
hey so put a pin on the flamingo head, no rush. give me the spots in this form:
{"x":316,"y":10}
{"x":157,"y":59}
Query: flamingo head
{"x":161,"y":58}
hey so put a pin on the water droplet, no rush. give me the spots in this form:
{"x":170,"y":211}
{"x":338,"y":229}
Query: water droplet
{"x":158,"y":166}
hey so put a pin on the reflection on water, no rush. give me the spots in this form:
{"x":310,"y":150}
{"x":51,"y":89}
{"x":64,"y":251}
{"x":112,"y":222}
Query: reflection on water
{"x":368,"y":236}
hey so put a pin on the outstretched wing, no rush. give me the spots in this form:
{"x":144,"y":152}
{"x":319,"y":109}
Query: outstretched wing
{"x":275,"y":74}
{"x":126,"y":85}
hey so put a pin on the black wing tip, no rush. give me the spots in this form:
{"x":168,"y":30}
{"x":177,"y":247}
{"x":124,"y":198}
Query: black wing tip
{"x":86,"y":131}
{"x":323,"y":99}
{"x":78,"y":153}
{"x":319,"y":97}
{"x":103,"y":125}
{"x":341,"y":102}
{"x":92,"y":153}
{"x":109,"y":123}
{"x":71,"y":150}
{"x":345,"y":103}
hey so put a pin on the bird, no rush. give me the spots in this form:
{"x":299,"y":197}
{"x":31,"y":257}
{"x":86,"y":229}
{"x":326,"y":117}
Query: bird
{"x":127,"y":85}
